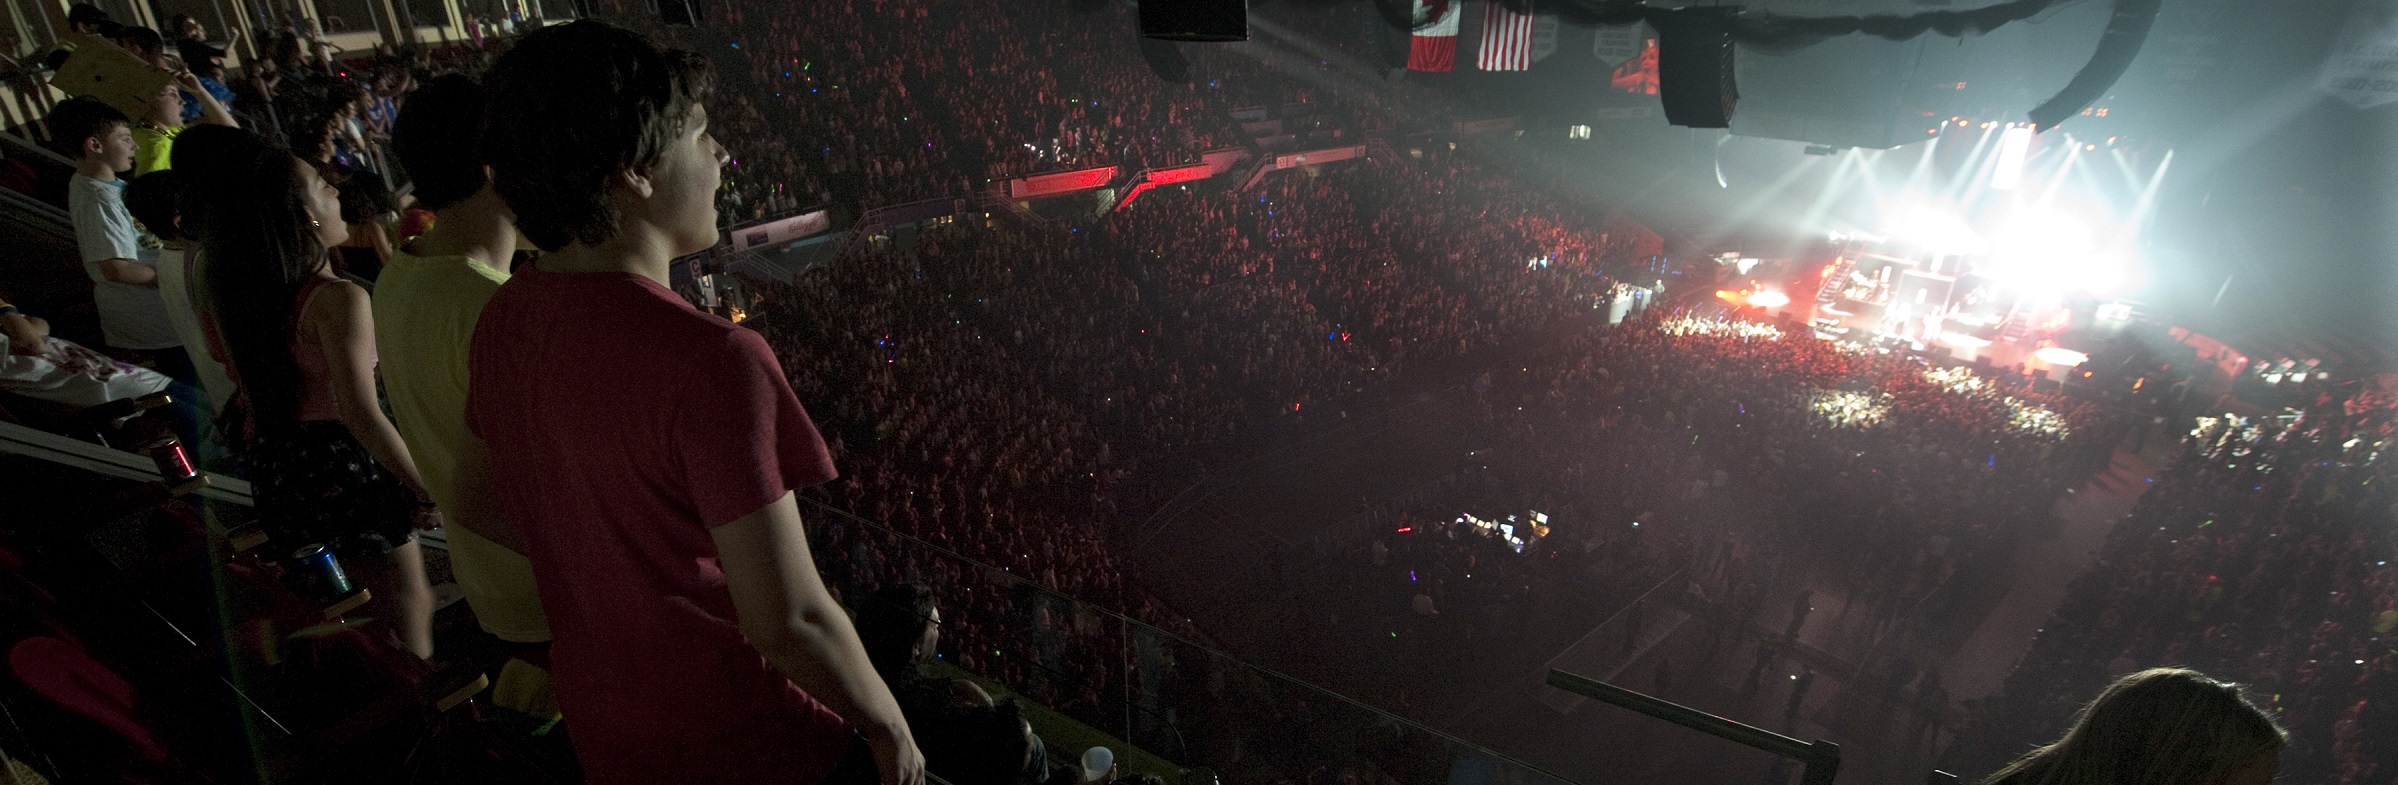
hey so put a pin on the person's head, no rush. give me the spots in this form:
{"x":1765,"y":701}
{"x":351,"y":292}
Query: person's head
{"x":156,"y":200}
{"x":166,"y":107}
{"x":186,"y":27}
{"x":88,"y":19}
{"x":981,"y":745}
{"x":209,"y":158}
{"x":144,"y":43}
{"x":899,"y":627}
{"x":310,"y":112}
{"x":2162,"y":726}
{"x":269,"y":235}
{"x":285,"y":51}
{"x":595,"y":132}
{"x":391,"y":76}
{"x":203,"y":58}
{"x":93,"y":132}
{"x":438,"y":138}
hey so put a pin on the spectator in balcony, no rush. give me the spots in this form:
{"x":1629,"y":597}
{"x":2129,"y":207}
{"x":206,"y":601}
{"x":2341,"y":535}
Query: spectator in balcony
{"x":146,"y":44}
{"x":694,"y":640}
{"x":2162,"y":726}
{"x":426,"y":303}
{"x":380,"y":110}
{"x":203,"y":156}
{"x":154,"y":135}
{"x":206,"y":61}
{"x":38,"y":365}
{"x":185,"y":27}
{"x":901,"y":630}
{"x":316,"y":124}
{"x":155,"y":200}
{"x":88,"y":19}
{"x":327,"y":467}
{"x":133,"y":318}
{"x":24,"y":333}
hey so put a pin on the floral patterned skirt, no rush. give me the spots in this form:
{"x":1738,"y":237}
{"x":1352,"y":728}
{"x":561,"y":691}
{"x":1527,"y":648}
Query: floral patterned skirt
{"x":315,"y":484}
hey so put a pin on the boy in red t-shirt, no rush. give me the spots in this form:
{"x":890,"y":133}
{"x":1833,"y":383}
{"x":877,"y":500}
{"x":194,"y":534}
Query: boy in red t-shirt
{"x":653,"y":448}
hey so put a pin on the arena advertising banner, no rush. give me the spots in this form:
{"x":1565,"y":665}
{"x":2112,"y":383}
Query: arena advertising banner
{"x":1155,"y":178}
{"x":1181,"y":174}
{"x":781,"y":231}
{"x":1325,"y":156}
{"x":2363,"y":67}
{"x":1040,"y":185}
{"x":1492,"y":125}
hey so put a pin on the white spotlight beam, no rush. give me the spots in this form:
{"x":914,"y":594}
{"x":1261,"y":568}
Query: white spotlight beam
{"x":1834,"y":189}
{"x":1922,"y":173}
{"x":2013,"y":147}
{"x":1968,"y":174}
{"x":2073,"y":153}
{"x":2147,"y":203}
{"x":1749,"y":207}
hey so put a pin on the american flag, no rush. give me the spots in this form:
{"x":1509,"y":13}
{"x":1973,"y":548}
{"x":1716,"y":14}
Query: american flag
{"x":1434,"y":48}
{"x":1506,"y":39}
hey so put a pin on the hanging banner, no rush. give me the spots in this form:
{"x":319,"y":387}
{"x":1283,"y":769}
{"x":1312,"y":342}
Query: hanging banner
{"x":1544,"y":37}
{"x":1615,"y":44}
{"x":2363,"y":68}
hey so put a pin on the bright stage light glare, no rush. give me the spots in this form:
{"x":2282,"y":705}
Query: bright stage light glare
{"x":2045,"y":252}
{"x":1769,"y":299}
{"x":1964,"y":340}
{"x":2058,"y":355}
{"x":1939,"y":231}
{"x":2014,"y":147}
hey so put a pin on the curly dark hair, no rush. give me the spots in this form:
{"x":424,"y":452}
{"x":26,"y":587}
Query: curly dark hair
{"x":571,"y":108}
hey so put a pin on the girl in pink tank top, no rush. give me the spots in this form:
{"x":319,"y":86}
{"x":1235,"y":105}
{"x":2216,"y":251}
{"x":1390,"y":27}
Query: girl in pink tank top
{"x":326,"y":466}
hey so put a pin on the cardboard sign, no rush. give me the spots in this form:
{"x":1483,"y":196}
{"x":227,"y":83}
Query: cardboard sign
{"x":105,"y":72}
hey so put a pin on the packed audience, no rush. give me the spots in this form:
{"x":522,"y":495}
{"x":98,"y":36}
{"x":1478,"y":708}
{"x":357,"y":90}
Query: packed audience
{"x":2261,"y":555}
{"x":1733,"y":442}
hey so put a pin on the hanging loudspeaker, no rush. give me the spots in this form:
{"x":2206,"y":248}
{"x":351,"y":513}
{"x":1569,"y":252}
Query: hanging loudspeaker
{"x":1195,"y":20}
{"x":1694,"y":66}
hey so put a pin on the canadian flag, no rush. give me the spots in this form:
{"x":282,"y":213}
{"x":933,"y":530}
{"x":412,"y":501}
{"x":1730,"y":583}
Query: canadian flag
{"x":1434,"y":48}
{"x":1506,"y":40}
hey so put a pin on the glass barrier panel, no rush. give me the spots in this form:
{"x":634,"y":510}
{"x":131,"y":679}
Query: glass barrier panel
{"x":1157,"y":690}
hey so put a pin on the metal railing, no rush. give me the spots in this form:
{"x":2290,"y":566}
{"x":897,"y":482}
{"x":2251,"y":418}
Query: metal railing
{"x":1820,"y":758}
{"x":108,"y":461}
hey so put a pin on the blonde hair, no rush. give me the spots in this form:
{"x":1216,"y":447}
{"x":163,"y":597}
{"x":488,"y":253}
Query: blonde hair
{"x":2161,"y":726}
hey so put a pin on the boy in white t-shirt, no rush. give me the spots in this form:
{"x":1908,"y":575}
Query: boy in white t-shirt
{"x":133,"y":318}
